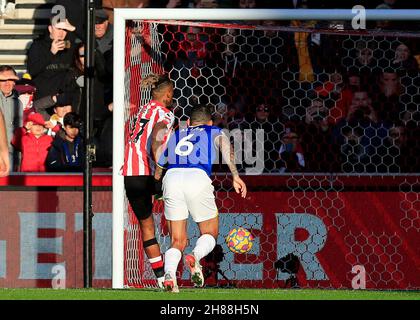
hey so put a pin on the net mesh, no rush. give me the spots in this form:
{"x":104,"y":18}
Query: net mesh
{"x":328,"y":101}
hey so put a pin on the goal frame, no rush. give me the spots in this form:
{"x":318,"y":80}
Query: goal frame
{"x":121,"y":15}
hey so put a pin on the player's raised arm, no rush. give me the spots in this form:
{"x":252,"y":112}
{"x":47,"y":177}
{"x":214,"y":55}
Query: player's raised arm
{"x":226,"y":148}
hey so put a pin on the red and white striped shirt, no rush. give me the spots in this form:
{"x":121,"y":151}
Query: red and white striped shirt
{"x":138,"y":158}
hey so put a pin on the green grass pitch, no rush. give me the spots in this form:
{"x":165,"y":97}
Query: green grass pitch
{"x":205,"y":294}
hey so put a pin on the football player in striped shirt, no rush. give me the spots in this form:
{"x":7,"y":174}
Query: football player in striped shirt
{"x":147,"y":134}
{"x":188,"y":189}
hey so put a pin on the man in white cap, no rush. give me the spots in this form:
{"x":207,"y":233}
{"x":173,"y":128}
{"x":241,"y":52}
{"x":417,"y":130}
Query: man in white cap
{"x":76,"y":14}
{"x":50,"y":58}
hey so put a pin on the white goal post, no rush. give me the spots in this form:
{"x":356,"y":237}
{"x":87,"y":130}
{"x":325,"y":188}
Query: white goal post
{"x":120,"y":18}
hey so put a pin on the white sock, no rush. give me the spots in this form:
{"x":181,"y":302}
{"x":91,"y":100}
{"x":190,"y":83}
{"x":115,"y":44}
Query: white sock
{"x":172,"y":259}
{"x":205,"y":244}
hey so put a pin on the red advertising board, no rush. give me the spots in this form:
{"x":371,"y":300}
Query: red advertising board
{"x":355,"y":233}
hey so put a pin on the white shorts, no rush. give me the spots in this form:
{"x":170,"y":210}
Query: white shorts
{"x":188,"y":190}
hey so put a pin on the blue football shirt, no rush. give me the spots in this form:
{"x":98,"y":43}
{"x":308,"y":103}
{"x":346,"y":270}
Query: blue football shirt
{"x":192,"y":147}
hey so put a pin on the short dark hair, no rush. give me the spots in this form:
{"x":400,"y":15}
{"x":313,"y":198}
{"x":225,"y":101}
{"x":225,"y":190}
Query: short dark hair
{"x":72,"y":119}
{"x":201,"y":113}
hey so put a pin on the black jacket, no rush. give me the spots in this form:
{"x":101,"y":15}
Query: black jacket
{"x":100,"y":108}
{"x":48,"y":71}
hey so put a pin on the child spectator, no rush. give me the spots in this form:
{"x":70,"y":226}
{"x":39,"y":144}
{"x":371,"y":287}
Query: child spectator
{"x":34,"y":144}
{"x":56,"y":121}
{"x":67,"y":153}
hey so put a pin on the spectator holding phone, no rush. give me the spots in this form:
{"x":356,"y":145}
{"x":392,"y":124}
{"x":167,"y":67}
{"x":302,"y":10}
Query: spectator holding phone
{"x":50,"y":58}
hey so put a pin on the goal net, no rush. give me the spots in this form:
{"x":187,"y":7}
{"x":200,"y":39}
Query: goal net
{"x":332,"y":104}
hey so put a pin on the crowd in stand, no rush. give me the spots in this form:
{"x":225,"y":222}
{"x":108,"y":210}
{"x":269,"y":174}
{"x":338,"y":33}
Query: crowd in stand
{"x":353,"y":120}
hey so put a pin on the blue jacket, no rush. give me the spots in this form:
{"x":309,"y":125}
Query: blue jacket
{"x":66,"y":156}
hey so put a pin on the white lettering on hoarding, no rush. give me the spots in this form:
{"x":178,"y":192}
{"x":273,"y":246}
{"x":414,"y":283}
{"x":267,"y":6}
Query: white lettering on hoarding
{"x":102,"y":227}
{"x":31,"y":245}
{"x":304,"y":250}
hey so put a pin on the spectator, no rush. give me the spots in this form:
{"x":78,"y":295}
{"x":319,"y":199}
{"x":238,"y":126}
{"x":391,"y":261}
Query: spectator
{"x":354,"y":156}
{"x":206,"y":4}
{"x":361,"y":109}
{"x":103,"y":31}
{"x":291,"y":157}
{"x":271,"y":126}
{"x":26,"y":90}
{"x":342,"y":104}
{"x":227,"y":117}
{"x":67,"y":153}
{"x":359,"y":135}
{"x":364,"y":55}
{"x":75,"y":83}
{"x":50,"y":58}
{"x":176,"y":4}
{"x":4,"y":149}
{"x":403,"y":59}
{"x":387,"y":98}
{"x":316,"y":140}
{"x":398,"y":151}
{"x":384,"y":24}
{"x":104,"y":34}
{"x":76,"y":14}
{"x":34,"y":144}
{"x":234,"y":118}
{"x":56,"y":121}
{"x":12,"y":110}
{"x":45,"y":106}
{"x":244,"y":4}
{"x":109,"y":5}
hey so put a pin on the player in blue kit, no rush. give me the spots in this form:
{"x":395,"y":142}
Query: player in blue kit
{"x":188,"y":189}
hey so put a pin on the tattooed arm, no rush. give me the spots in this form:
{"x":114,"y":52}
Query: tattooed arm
{"x":228,"y":154}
